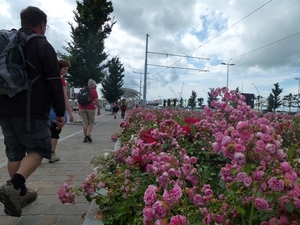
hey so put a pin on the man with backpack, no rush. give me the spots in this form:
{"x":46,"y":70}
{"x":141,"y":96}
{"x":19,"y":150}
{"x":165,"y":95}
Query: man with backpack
{"x":87,"y":99}
{"x":24,"y":116}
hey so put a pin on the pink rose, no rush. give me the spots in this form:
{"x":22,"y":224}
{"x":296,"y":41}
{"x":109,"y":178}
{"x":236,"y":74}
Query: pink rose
{"x":219,"y":136}
{"x":285,"y":166}
{"x":208,"y":192}
{"x":258,"y":175}
{"x":159,"y":209}
{"x":266,"y":138}
{"x":245,"y":135}
{"x":261,"y":204}
{"x":198,"y":200}
{"x":242,"y":176}
{"x":248,"y":181}
{"x":275,"y":184}
{"x":239,"y":157}
{"x":150,"y":195}
{"x":215,"y":93}
{"x":260,"y":144}
{"x":239,"y":148}
{"x":241,"y":124}
{"x":226,"y":140}
{"x":148,"y":215}
{"x":270,"y":148}
{"x":172,"y":196}
{"x":193,"y":160}
{"x":216,"y":146}
{"x":291,"y":175}
{"x":178,"y":220}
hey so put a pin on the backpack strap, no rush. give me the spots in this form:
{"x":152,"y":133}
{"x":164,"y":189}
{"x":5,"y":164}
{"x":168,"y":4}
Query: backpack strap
{"x":28,"y":37}
{"x":28,"y":100}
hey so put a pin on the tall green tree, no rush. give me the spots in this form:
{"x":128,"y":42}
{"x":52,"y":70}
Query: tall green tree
{"x":296,"y":101}
{"x":200,"y":101}
{"x":258,"y":103}
{"x":274,"y":101}
{"x":113,"y":81}
{"x":192,"y":100}
{"x":289,"y":101}
{"x":86,"y":50}
{"x":210,"y":97}
{"x":181,"y":102}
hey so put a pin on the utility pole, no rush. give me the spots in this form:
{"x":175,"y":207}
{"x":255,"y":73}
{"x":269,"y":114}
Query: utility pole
{"x":140,"y":85}
{"x":145,"y":75}
{"x":298,"y":94}
{"x":228,"y":64}
{"x":258,"y":97}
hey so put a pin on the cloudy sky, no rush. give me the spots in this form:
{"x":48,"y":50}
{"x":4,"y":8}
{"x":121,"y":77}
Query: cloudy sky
{"x":187,"y":38}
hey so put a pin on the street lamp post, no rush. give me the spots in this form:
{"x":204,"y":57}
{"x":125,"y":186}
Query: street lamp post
{"x":298,"y":94}
{"x":258,"y":97}
{"x":140,"y":85}
{"x":228,"y":64}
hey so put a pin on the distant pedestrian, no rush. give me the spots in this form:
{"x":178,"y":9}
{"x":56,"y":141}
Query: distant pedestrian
{"x":115,"y":109}
{"x":63,"y":69}
{"x":88,"y":112}
{"x":123,"y":108}
{"x":26,"y":145}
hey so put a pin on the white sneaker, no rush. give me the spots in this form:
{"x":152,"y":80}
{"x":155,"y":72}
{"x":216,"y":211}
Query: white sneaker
{"x":54,"y":158}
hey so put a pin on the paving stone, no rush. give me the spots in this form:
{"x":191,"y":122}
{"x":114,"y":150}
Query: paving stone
{"x":72,"y":169}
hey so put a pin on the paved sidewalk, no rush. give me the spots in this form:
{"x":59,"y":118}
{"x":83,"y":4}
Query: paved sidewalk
{"x":72,"y":168}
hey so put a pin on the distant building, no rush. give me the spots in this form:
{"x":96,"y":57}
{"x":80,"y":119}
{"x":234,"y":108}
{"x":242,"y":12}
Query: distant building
{"x":249,"y":99}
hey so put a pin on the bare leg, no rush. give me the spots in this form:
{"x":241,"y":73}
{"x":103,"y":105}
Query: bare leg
{"x":85,"y":128}
{"x":25,"y":167}
{"x":90,"y":128}
{"x":53,"y":144}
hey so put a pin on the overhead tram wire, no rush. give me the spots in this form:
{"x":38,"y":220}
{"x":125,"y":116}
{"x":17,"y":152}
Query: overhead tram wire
{"x":184,"y":56}
{"x":274,"y":42}
{"x":220,"y":32}
{"x":232,"y":25}
{"x":176,"y":67}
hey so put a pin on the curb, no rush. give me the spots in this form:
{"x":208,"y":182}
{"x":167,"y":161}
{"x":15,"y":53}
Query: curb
{"x":90,"y":215}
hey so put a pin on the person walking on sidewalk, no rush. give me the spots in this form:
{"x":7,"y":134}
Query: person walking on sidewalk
{"x":26,"y":146}
{"x":63,"y":69}
{"x":115,"y":109}
{"x":123,"y":108}
{"x":88,"y":113}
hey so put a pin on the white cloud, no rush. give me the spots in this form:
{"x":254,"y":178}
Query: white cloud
{"x":193,"y":27}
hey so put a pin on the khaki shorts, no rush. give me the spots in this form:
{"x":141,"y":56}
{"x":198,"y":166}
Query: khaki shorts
{"x":87,"y":116}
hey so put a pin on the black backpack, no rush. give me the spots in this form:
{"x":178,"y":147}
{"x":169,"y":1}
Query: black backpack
{"x":13,"y":75}
{"x":83,"y":97}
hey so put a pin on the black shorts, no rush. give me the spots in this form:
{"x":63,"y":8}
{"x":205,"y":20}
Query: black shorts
{"x":54,"y":132}
{"x":115,"y":109}
{"x":19,"y":141}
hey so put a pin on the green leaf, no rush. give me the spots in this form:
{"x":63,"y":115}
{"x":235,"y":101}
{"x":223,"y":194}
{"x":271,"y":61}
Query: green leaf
{"x":289,"y":207}
{"x":235,"y":186}
{"x":240,"y":210}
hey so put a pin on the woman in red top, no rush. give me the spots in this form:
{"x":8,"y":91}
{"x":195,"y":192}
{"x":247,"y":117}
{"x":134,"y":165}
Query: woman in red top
{"x":88,"y":112}
{"x":63,"y":69}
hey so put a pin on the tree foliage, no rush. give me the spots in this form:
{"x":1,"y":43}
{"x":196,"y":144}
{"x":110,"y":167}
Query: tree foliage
{"x":200,"y":101}
{"x":113,"y":81}
{"x":210,"y":97}
{"x":289,"y":101}
{"x":192,"y":100}
{"x":86,"y":50}
{"x":273,"y":100}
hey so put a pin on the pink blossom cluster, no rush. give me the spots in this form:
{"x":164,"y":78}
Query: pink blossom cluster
{"x":66,"y":194}
{"x":91,"y":184}
{"x":259,"y":176}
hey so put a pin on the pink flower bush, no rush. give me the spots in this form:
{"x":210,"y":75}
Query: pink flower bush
{"x":226,"y":165}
